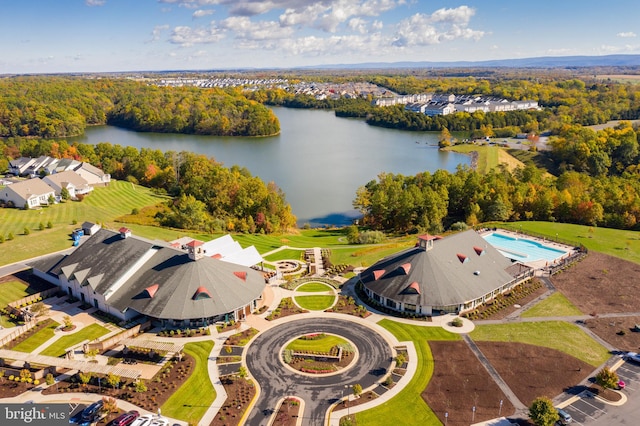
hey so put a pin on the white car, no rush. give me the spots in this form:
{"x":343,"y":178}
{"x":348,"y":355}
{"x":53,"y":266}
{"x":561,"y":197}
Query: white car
{"x":143,"y":420}
{"x":159,"y":421}
{"x":632,"y":356}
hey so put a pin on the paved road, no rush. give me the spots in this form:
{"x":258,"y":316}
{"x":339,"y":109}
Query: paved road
{"x":318,"y":393}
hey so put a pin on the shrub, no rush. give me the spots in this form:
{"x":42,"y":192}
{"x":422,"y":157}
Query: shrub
{"x":457,"y":322}
{"x":26,"y":231}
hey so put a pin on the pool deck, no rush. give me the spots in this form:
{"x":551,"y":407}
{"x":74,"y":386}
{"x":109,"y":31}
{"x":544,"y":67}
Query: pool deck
{"x":538,"y":264}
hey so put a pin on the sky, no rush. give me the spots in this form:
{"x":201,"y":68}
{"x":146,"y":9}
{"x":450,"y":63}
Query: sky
{"x":59,"y":36}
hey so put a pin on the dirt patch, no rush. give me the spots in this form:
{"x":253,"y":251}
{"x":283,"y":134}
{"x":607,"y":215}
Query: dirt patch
{"x":240,"y":393}
{"x":617,"y":331}
{"x":284,"y":309}
{"x":307,"y":365}
{"x":532,"y":371}
{"x":460,"y":382}
{"x":288,"y":412}
{"x":348,"y":305}
{"x":505,"y":304}
{"x":601,"y":284}
{"x":242,"y":338}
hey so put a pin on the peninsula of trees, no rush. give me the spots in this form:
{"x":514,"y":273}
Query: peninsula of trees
{"x":55,"y":107}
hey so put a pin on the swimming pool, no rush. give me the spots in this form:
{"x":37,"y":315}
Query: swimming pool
{"x":523,"y":249}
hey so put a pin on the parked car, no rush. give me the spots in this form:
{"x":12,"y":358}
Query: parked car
{"x":125,"y":419}
{"x":159,"y":421}
{"x":143,"y":420}
{"x":89,"y":413}
{"x":632,"y":356}
{"x":565,"y":418}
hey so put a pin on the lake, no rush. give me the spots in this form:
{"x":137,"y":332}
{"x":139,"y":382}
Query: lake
{"x":318,"y":159}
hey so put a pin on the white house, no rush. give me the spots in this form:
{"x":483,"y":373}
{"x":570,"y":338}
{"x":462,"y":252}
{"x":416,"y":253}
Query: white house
{"x":29,"y":193}
{"x":20,"y":165}
{"x":73,"y":182}
{"x":93,"y":175}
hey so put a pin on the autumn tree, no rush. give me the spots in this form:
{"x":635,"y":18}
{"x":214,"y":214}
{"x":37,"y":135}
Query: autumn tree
{"x":542,"y":412}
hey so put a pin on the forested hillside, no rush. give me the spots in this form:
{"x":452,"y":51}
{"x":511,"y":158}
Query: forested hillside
{"x":62,"y":107}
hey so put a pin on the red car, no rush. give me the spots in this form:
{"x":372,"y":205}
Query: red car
{"x":124,"y":419}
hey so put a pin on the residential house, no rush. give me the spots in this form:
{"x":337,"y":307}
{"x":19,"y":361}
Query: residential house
{"x":20,"y":165}
{"x":93,"y":175}
{"x":66,"y":164}
{"x":43,"y":163}
{"x":28,"y":193}
{"x":73,"y":182}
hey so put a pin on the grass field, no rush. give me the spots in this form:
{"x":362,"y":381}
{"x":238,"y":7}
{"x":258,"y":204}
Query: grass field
{"x":408,"y":407}
{"x":315,"y":303}
{"x":285,"y":254}
{"x":615,"y":242}
{"x":191,"y":401}
{"x":103,"y":205}
{"x":554,"y":305}
{"x":11,"y":291}
{"x":37,"y":339}
{"x":90,"y":332}
{"x":314,"y":287}
{"x":559,"y":335}
{"x":322,"y":344}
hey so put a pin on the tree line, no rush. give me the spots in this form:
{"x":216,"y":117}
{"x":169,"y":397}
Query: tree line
{"x":55,"y":107}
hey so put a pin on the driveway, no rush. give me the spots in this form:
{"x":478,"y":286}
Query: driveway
{"x":319,"y":393}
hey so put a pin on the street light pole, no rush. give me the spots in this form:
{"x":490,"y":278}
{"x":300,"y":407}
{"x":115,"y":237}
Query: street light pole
{"x":473,"y":414}
{"x":347,"y":402}
{"x":446,"y":417}
{"x":500,"y":410}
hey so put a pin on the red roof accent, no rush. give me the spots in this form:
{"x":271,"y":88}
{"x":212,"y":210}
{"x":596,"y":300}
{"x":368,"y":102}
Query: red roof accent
{"x":427,"y":237}
{"x":194,"y":243}
{"x":202,"y":293}
{"x":462,"y":258}
{"x":406,"y":267}
{"x":242,"y":275}
{"x":124,"y":230}
{"x":415,"y":286}
{"x":217,"y":256}
{"x":378,"y":273}
{"x":479,"y":250}
{"x":438,"y":237}
{"x":151,"y":290}
{"x":175,"y":245}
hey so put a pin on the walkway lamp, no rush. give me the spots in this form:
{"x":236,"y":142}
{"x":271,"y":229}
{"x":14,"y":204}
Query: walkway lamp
{"x":500,"y":410}
{"x":446,"y":417}
{"x":473,"y":414}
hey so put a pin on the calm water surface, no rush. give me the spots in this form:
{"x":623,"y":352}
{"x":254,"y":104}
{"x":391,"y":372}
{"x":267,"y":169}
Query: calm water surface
{"x":319,"y":160}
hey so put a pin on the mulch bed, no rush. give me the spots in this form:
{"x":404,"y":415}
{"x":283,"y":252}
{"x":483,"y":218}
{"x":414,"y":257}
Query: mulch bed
{"x":347,"y":305}
{"x":534,"y":289}
{"x":617,"y":331}
{"x":299,"y":363}
{"x":10,"y":389}
{"x":284,"y":309}
{"x":532,"y":371}
{"x":288,"y":412}
{"x":601,"y":284}
{"x":159,"y":389}
{"x":241,"y":338}
{"x":364,"y":398}
{"x":240,"y":393}
{"x":460,"y":382}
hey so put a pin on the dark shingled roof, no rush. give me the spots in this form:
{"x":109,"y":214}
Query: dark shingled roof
{"x":451,"y":273}
{"x":106,"y":258}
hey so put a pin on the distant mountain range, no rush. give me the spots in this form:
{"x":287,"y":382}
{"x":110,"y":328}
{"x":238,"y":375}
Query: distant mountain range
{"x":539,"y":62}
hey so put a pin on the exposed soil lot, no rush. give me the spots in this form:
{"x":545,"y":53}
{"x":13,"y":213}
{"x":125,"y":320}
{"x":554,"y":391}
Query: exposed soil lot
{"x":458,"y":383}
{"x":240,"y":393}
{"x":601,"y":284}
{"x":611,"y":329}
{"x":533,"y":371}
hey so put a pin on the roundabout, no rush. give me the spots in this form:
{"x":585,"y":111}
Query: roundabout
{"x":275,"y":380}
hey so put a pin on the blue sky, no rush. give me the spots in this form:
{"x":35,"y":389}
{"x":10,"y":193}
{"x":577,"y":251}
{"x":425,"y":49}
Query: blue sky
{"x":50,"y":36}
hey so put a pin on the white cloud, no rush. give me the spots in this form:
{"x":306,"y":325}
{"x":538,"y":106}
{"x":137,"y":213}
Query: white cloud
{"x":628,"y":34}
{"x":617,"y":49}
{"x":190,"y":4}
{"x":246,"y":29}
{"x":187,"y":36}
{"x":94,"y":2}
{"x":358,"y":25}
{"x":157,"y":31}
{"x":201,"y":13}
{"x":443,"y":25}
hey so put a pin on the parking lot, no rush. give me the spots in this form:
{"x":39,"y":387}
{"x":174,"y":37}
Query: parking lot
{"x":591,"y":411}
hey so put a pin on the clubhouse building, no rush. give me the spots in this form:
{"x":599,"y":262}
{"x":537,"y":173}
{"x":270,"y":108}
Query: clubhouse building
{"x":454,"y":274}
{"x":128,"y":277}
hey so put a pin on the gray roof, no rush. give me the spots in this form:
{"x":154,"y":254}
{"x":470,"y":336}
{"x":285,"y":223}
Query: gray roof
{"x":186,"y":289}
{"x":66,"y":177}
{"x":91,"y":169}
{"x":458,"y":269}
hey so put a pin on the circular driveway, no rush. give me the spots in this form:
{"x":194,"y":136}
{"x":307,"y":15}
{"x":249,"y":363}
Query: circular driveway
{"x":276,"y":381}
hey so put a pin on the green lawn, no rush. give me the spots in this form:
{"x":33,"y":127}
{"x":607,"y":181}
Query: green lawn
{"x":90,"y":332}
{"x":11,"y":291}
{"x":191,"y":401}
{"x":103,"y":205}
{"x":314,"y":286}
{"x":615,"y":242}
{"x":315,"y":303}
{"x":487,"y":155}
{"x":408,"y":407}
{"x":555,"y":305}
{"x":559,"y":335}
{"x":285,"y":254}
{"x":37,"y":339}
{"x":322,"y":344}
{"x":364,"y":256}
